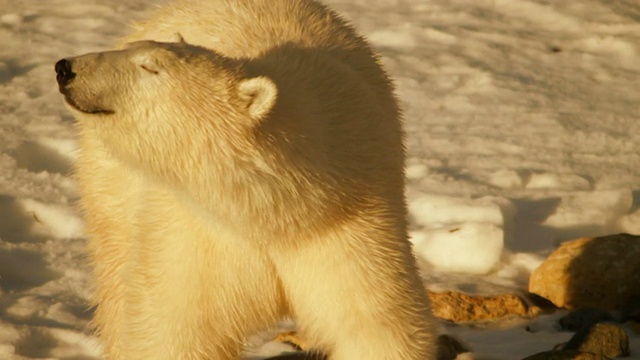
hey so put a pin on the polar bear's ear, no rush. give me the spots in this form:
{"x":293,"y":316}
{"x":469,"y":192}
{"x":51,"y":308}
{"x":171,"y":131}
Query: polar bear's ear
{"x":259,"y":96}
{"x":178,"y":38}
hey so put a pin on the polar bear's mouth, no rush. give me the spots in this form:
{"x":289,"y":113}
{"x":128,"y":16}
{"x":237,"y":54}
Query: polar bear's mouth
{"x":85,"y":110}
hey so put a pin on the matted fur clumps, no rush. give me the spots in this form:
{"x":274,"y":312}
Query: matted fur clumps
{"x":242,"y":161}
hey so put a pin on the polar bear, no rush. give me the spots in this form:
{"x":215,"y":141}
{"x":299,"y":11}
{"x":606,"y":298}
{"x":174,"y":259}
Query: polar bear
{"x":247,"y":170}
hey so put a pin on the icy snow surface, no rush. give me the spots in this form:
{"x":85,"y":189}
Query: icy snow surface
{"x":523,"y":118}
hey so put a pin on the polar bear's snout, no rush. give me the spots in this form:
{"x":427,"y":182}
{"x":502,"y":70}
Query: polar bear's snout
{"x":79,"y":81}
{"x":64,"y":74}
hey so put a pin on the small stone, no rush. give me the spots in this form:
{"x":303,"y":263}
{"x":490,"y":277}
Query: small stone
{"x":601,"y":273}
{"x":603,"y":339}
{"x":459,"y":307}
{"x":292,"y":338}
{"x":11,"y":19}
{"x":580,"y":319}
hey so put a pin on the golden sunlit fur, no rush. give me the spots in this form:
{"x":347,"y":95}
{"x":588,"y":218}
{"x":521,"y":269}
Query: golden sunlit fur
{"x":244,"y":166}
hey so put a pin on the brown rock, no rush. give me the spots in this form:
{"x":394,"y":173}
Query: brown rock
{"x":601,"y":273}
{"x":603,"y":339}
{"x":565,"y":355}
{"x":459,"y":307}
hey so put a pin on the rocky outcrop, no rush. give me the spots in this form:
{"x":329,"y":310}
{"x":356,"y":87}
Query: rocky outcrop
{"x":600,"y":273}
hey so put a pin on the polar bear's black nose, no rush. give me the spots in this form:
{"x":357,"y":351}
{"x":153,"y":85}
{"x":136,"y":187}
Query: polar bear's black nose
{"x":63,"y":73}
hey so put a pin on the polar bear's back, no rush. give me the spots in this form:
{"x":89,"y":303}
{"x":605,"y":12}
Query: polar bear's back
{"x":247,"y":28}
{"x":250,"y":28}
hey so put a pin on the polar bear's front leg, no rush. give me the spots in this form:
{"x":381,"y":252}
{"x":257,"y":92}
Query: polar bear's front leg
{"x":356,"y":295}
{"x":110,"y":198}
{"x":194,"y":291}
{"x":109,"y":253}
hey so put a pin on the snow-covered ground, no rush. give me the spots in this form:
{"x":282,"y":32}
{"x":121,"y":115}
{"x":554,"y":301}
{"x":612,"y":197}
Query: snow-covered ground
{"x":523,"y":118}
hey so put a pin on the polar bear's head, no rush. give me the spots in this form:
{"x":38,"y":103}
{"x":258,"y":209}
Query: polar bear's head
{"x":154,"y":104}
{"x":151,"y":82}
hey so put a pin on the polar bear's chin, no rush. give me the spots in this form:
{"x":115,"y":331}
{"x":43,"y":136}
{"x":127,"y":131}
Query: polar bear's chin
{"x":87,"y":110}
